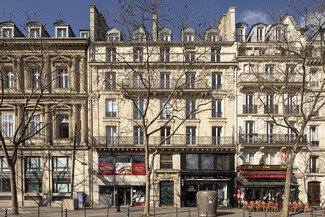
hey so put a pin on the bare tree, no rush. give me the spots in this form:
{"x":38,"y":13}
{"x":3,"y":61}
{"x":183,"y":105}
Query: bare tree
{"x":291,"y":88}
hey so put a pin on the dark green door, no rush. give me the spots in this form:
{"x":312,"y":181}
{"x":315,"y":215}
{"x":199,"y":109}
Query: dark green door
{"x":166,"y":193}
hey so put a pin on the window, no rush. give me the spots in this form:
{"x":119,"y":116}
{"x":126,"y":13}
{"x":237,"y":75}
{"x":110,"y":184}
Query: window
{"x":314,"y":136}
{"x":113,"y":38}
{"x":313,"y":80}
{"x":192,"y":161}
{"x":35,"y":79}
{"x":139,"y":37}
{"x":166,"y":161}
{"x":35,"y":126}
{"x":63,"y":126}
{"x":313,"y":164}
{"x":270,"y":132}
{"x":213,"y":38}
{"x":216,"y":81}
{"x":110,"y":83}
{"x":34,"y":33}
{"x":138,"y":135}
{"x":188,"y":38}
{"x":270,"y":106}
{"x":111,"y":108}
{"x":249,"y":131}
{"x":166,"y":109}
{"x":164,"y":81}
{"x":138,"y":109}
{"x":33,"y":185}
{"x":164,"y":54}
{"x":291,"y":107}
{"x":225,"y":162}
{"x":9,"y":80}
{"x":61,"y":185}
{"x":7,"y":32}
{"x":61,"y":164}
{"x":63,"y":80}
{"x":259,"y":34}
{"x":8,"y":125}
{"x":207,"y":161}
{"x":84,"y":35}
{"x":5,"y":185}
{"x":269,"y":69}
{"x":190,"y":109}
{"x":111,"y":55}
{"x":165,"y":38}
{"x":61,"y":32}
{"x":111,"y":138}
{"x":3,"y":165}
{"x":190,"y":135}
{"x":215,"y":54}
{"x":269,"y":158}
{"x":189,"y":56}
{"x":138,"y":55}
{"x":190,"y":80}
{"x":216,"y":109}
{"x":247,"y":68}
{"x":216,"y":135}
{"x":248,"y":158}
{"x":33,"y":164}
{"x":279,"y":33}
{"x":106,"y":165}
{"x":138,"y":81}
{"x":164,"y":133}
{"x":249,"y":107}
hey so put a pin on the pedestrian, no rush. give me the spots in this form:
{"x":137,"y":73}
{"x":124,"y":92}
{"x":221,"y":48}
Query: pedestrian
{"x":117,"y":202}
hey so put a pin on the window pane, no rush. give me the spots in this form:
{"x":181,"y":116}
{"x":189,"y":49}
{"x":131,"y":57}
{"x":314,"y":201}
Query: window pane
{"x":192,"y":161}
{"x":207,"y":161}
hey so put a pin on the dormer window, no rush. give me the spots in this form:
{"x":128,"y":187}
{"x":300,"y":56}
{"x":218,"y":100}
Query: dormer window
{"x":61,"y":32}
{"x":165,"y":38}
{"x":213,"y":38}
{"x":139,"y":37}
{"x":34,"y":32}
{"x":84,"y":35}
{"x":259,"y":34}
{"x":113,"y":38}
{"x":7,"y":33}
{"x":279,"y":33}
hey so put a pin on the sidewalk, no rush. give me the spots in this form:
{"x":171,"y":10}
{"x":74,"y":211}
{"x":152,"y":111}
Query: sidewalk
{"x":138,"y":211}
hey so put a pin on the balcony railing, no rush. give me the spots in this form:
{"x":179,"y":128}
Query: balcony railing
{"x":271,"y":109}
{"x":291,"y":109}
{"x":268,"y":78}
{"x":270,"y":138}
{"x":314,"y":143}
{"x":174,"y":141}
{"x":167,"y":84}
{"x":249,"y":109}
{"x":314,"y":170}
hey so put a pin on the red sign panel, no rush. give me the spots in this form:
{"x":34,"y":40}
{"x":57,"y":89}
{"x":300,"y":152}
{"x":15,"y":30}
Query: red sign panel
{"x":106,"y":169}
{"x":138,"y":169}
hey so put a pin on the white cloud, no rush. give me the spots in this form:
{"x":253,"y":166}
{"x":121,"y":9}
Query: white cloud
{"x":252,"y":17}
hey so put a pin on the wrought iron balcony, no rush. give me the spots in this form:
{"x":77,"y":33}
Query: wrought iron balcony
{"x":270,"y":139}
{"x":167,"y":84}
{"x":249,"y":109}
{"x":174,"y":141}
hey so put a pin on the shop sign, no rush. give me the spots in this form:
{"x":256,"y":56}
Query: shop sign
{"x":138,"y":169}
{"x":123,"y":169}
{"x":106,"y":169}
{"x":262,"y":167}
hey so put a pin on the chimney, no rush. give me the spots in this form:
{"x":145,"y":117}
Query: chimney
{"x":154,"y":26}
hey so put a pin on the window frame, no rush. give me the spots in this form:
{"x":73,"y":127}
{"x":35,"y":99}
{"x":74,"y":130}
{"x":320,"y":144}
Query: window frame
{"x":110,"y":108}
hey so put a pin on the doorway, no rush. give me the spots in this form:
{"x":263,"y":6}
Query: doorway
{"x":166,"y":193}
{"x":124,"y":194}
{"x":314,"y":193}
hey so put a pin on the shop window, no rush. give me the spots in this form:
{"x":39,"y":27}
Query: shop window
{"x":33,"y":164}
{"x":207,"y":161}
{"x":192,"y":161}
{"x":61,"y":164}
{"x":166,"y":161}
{"x":106,"y":165}
{"x":61,"y":185}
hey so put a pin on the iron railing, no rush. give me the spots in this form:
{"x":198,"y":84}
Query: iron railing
{"x":249,"y":109}
{"x":270,"y":138}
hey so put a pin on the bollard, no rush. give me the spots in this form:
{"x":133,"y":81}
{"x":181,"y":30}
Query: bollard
{"x":249,"y":214}
{"x":65,"y":213}
{"x":189,"y":213}
{"x":128,"y":212}
{"x":61,"y":210}
{"x":6,"y":213}
{"x":107,"y":210}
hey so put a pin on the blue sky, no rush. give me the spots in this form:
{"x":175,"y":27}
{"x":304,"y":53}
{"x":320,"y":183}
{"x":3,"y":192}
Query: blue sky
{"x":76,"y":12}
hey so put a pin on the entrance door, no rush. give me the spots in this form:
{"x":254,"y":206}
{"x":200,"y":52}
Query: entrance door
{"x":314,"y":193}
{"x":166,"y":193}
{"x":124,"y":194}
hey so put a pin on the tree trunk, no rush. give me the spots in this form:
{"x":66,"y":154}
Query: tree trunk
{"x":148,"y":172}
{"x":285,"y":208}
{"x":13,"y":187}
